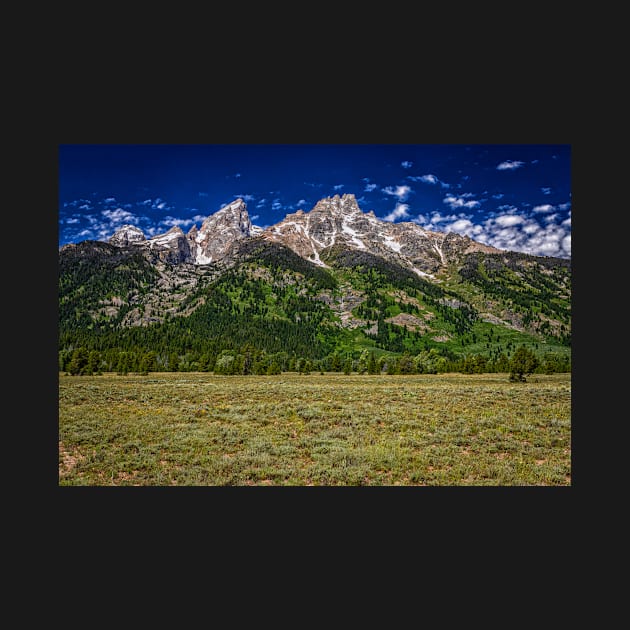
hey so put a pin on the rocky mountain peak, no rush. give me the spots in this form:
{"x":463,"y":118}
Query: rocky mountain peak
{"x":126,"y":235}
{"x":338,"y":205}
{"x":219,"y":232}
{"x":233,"y":216}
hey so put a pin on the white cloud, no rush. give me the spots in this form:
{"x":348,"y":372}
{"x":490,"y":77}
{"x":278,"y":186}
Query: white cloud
{"x":399,"y":212}
{"x":70,"y":221}
{"x":172,"y":221}
{"x":301,"y":202}
{"x":506,"y":220}
{"x":458,"y":202}
{"x":406,"y":164}
{"x":429,"y":179}
{"x":564,"y":206}
{"x":402,"y":192}
{"x":85,"y":206}
{"x":531,"y":227}
{"x":254,"y":217}
{"x":370,"y":187}
{"x":498,"y":196}
{"x":120,"y":216}
{"x":507,"y":231}
{"x":461,"y":226}
{"x":509,"y":165}
{"x":109,"y":200}
{"x":338,"y":186}
{"x":245,"y":197}
{"x":261,"y":203}
{"x":544,"y":208}
{"x":546,"y":190}
{"x":276,"y":205}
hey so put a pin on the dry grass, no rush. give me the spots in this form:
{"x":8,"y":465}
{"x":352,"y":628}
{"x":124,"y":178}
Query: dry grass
{"x":200,"y":429}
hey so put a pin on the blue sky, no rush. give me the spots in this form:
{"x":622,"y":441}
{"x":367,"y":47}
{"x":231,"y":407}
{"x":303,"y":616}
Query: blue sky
{"x":515,"y":197}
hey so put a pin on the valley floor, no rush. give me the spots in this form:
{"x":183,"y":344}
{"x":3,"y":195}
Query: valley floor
{"x":199,"y":429}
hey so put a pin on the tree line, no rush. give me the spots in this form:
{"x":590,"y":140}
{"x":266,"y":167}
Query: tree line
{"x":250,"y":360}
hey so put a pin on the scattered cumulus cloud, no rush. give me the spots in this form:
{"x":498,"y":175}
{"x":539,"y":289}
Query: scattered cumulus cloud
{"x":110,"y":200}
{"x":506,"y":220}
{"x":401,"y":211}
{"x":543,"y":208}
{"x":254,"y":217}
{"x":170,"y":222}
{"x":406,"y":164}
{"x":506,"y":231}
{"x":459,"y":202}
{"x":429,"y":179}
{"x":370,"y":187}
{"x":402,"y":192}
{"x":509,"y":165}
{"x":498,"y":196}
{"x":338,"y":186}
{"x":119,"y":216}
{"x":546,"y":190}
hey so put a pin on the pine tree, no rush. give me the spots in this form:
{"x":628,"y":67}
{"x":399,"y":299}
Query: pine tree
{"x":372,"y":367}
{"x":523,"y":362}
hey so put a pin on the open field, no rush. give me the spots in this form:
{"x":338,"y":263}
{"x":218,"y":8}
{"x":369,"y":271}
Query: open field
{"x":205,"y":430}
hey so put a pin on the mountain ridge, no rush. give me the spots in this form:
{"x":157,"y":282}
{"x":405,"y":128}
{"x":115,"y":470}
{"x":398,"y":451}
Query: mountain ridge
{"x":334,"y":279}
{"x":332,"y":220}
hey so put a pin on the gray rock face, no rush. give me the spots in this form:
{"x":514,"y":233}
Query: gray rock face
{"x":171,"y":247}
{"x":214,"y":240}
{"x":127,"y":235}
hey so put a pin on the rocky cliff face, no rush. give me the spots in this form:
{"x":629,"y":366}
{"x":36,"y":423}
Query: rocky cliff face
{"x":127,"y":235}
{"x":218,"y":233}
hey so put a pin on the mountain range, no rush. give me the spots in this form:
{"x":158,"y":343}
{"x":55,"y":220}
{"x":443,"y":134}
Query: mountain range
{"x":333,"y":279}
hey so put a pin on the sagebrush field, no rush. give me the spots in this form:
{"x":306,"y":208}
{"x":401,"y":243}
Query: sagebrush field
{"x":199,"y":429}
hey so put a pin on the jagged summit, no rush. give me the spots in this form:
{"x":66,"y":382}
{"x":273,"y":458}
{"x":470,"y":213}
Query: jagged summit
{"x":332,"y":221}
{"x":126,"y":235}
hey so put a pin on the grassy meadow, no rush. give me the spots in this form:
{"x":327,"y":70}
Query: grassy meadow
{"x":199,"y":429}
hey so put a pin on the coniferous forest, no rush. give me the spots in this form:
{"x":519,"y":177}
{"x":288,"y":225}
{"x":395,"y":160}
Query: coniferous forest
{"x":271,"y":311}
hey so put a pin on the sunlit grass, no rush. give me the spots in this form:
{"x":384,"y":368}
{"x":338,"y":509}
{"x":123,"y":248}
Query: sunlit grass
{"x":200,"y":429}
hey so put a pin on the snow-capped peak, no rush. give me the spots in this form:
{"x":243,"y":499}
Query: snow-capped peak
{"x":127,"y":234}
